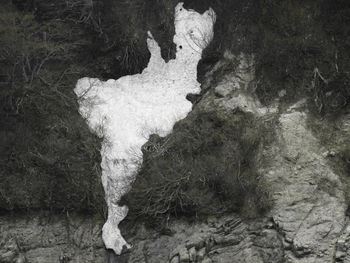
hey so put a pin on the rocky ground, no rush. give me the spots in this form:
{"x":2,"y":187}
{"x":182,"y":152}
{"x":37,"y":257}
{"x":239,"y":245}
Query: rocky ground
{"x":308,"y":221}
{"x":47,"y":238}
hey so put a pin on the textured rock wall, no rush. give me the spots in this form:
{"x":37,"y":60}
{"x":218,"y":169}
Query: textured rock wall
{"x":307,"y":223}
{"x":40,"y":238}
{"x":226,"y":239}
{"x":310,"y":217}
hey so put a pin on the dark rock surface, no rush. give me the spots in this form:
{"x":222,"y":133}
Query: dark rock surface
{"x":48,"y":238}
{"x":308,"y":221}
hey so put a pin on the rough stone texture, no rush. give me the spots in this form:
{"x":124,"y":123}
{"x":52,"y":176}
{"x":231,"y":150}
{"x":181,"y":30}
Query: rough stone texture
{"x":225,"y":239}
{"x":310,"y":218}
{"x":309,"y":209}
{"x":50,"y":239}
{"x":307,"y":223}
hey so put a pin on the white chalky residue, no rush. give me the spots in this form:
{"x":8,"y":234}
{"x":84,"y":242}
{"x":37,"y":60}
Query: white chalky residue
{"x":126,"y":111}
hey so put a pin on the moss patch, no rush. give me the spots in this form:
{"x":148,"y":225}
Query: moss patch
{"x":206,"y":166}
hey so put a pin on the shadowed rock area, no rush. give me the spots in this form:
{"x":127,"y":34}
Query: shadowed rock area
{"x":307,"y":221}
{"x":258,"y":171}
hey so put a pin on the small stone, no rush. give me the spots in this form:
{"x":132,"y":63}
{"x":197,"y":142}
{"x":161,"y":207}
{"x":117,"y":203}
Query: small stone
{"x":192,"y":254}
{"x":201,"y":254}
{"x":184,"y":256}
{"x":282,"y":93}
{"x":209,"y":244}
{"x":196,"y":241}
{"x":223,"y":90}
{"x":21,"y":259}
{"x":328,"y":154}
{"x":207,"y":260}
{"x":175,"y":260}
{"x":270,"y":225}
{"x":331,"y":154}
